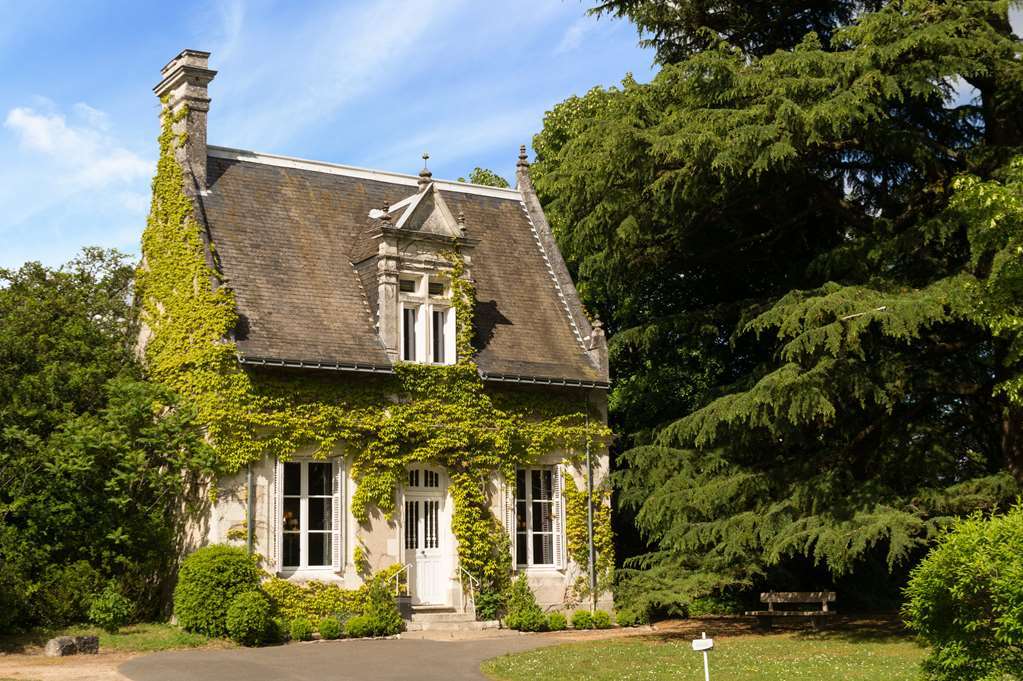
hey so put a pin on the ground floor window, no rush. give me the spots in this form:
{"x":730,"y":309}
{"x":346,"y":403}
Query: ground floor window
{"x":307,"y":522}
{"x":535,"y":520}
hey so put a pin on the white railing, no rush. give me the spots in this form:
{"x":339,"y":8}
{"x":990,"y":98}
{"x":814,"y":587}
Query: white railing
{"x":397,"y":575}
{"x":473,"y":585}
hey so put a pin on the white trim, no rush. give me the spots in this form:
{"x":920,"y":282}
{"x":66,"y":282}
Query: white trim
{"x":352,"y":171}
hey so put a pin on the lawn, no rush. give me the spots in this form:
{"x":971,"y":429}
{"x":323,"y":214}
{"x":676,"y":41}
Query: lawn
{"x":140,"y":638}
{"x":843,"y":656}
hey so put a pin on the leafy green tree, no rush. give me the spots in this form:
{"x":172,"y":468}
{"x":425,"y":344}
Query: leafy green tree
{"x":806,"y":259}
{"x":93,"y":460}
{"x":486,"y":177}
{"x":679,"y":29}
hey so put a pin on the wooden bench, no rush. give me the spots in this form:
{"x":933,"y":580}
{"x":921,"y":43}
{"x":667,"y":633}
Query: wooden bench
{"x":817,"y":617}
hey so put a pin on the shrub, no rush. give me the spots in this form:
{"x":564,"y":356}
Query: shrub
{"x":601,"y":620}
{"x":632,"y":618}
{"x":718,"y":603}
{"x":489,"y":605}
{"x":582,"y":619}
{"x":330,"y":628}
{"x":208,"y":582}
{"x":314,"y":599}
{"x":360,"y":626}
{"x":965,"y":599}
{"x":301,"y":629}
{"x":278,"y":630}
{"x":557,"y":622}
{"x":110,"y":609}
{"x":248,"y":619}
{"x":523,"y":612}
{"x":64,"y":593}
{"x":382,"y":608}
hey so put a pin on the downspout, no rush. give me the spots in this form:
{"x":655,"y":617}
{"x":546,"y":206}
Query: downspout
{"x":250,"y":512}
{"x":589,"y":513}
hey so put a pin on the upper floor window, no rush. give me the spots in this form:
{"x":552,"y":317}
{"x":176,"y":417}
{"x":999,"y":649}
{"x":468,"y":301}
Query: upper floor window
{"x":427,"y":320}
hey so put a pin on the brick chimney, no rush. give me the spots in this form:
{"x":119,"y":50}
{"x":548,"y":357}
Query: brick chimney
{"x":184,"y":84}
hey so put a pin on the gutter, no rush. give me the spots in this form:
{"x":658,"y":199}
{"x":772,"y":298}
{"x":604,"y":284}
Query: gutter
{"x":389,"y":369}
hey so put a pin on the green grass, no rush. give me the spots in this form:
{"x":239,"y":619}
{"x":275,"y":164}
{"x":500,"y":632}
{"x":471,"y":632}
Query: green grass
{"x":137,"y":638}
{"x":745,"y":658}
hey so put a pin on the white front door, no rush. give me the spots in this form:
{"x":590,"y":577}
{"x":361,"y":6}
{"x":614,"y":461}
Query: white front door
{"x":427,"y":539}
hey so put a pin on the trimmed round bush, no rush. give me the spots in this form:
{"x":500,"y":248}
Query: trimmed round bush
{"x":330,"y":628}
{"x":582,"y":619}
{"x":208,"y":582}
{"x":557,"y":622}
{"x":360,"y":626}
{"x":248,"y":619}
{"x":601,"y":620}
{"x":965,"y":599}
{"x":301,"y":629}
{"x":110,"y":609}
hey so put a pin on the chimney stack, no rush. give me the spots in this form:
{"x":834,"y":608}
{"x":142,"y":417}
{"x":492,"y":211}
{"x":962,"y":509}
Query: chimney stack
{"x":184,"y":84}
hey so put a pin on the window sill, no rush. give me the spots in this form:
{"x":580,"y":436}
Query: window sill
{"x":539,"y":569}
{"x":322,"y":574}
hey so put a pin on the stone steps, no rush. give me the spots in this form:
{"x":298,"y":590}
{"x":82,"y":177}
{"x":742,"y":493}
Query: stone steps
{"x":470,"y":625}
{"x":446,"y":619}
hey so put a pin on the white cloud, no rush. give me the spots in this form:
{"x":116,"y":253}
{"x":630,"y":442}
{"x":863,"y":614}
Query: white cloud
{"x":85,"y":155}
{"x":573,"y":36}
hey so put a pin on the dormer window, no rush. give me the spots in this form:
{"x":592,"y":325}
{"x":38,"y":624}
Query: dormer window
{"x":427,"y":320}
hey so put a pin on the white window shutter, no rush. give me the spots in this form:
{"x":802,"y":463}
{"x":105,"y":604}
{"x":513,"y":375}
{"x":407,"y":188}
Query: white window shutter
{"x":337,"y":553}
{"x":276,"y":512}
{"x":558,"y":511}
{"x":509,"y":514}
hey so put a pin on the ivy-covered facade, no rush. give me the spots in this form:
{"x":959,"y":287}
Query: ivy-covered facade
{"x":393,"y":370}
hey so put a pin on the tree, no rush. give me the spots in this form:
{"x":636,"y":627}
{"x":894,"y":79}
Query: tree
{"x":93,"y":460}
{"x":485,"y":177}
{"x":785,"y":244}
{"x":678,"y":30}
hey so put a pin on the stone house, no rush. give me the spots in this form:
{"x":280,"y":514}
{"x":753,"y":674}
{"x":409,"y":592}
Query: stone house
{"x":339,"y":273}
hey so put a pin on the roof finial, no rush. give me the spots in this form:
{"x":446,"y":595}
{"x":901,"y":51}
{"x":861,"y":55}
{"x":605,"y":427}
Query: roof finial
{"x":461,"y":221}
{"x":425,"y":176}
{"x":386,"y":217}
{"x":523,"y":159}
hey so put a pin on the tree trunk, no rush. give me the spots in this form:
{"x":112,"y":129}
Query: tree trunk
{"x":1012,"y":440}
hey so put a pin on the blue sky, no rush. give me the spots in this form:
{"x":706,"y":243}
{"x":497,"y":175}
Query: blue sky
{"x":370,"y":83}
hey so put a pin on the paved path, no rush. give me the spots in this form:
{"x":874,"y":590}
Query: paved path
{"x":354,"y":660}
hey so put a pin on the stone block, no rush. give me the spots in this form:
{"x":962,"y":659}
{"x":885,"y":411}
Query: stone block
{"x":87,"y":645}
{"x":60,"y":646}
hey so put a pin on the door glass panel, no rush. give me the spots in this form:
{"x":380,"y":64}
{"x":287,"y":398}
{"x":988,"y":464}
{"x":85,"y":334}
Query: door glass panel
{"x":542,"y":554}
{"x":541,"y":516}
{"x":319,"y":513}
{"x":292,"y":515}
{"x":319,"y":548}
{"x":291,"y":549}
{"x":319,"y":478}
{"x":292,"y":478}
{"x":411,"y":525}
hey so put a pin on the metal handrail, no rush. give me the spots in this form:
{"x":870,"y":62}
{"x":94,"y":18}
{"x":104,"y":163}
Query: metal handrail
{"x":397,"y":585}
{"x":473,"y":582}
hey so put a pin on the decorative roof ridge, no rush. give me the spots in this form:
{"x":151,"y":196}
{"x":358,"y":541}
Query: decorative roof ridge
{"x":354,"y":171}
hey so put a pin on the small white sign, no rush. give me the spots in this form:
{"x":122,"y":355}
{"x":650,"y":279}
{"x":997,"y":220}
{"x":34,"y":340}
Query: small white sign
{"x":701,"y":644}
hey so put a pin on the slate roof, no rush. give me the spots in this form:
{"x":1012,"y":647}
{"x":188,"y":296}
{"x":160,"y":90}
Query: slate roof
{"x":286,"y":233}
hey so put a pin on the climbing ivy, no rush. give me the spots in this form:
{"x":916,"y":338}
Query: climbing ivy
{"x":442,"y":415}
{"x":576,"y":535}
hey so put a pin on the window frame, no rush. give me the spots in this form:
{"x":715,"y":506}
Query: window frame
{"x":529,"y":532}
{"x":304,"y":532}
{"x":426,"y":307}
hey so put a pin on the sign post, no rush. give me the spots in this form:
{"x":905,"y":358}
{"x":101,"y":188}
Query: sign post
{"x":703,"y":645}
